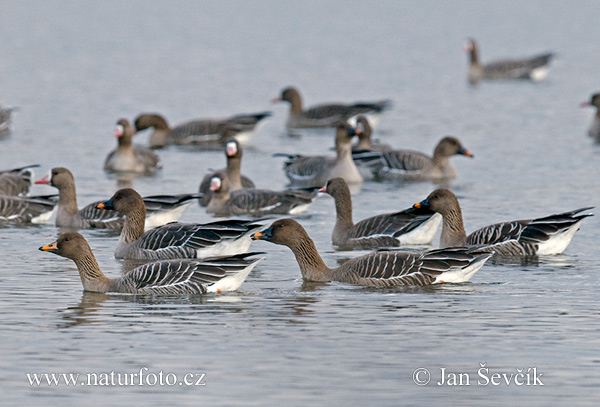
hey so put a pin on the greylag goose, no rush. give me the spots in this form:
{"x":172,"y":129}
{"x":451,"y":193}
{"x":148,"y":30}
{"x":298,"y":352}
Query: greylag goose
{"x":594,"y":130}
{"x":548,"y":235}
{"x":233,"y":153}
{"x":130,"y":158}
{"x":534,"y":68}
{"x":364,"y":131}
{"x":161,"y":277}
{"x":382,"y":268}
{"x":174,"y":240}
{"x":162,"y":208}
{"x":255,"y":202}
{"x":327,"y":115}
{"x":17,"y":180}
{"x":408,"y":165}
{"x":407,"y":227}
{"x":26,"y":209}
{"x":200,"y":131}
{"x":314,"y":171}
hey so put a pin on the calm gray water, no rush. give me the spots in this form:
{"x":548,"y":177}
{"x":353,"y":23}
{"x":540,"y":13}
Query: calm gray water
{"x":75,"y":68}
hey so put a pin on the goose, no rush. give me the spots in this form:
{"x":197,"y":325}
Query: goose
{"x":314,"y":171}
{"x":162,"y":277}
{"x":364,"y":131}
{"x":130,"y":158}
{"x":327,"y":115}
{"x":16,"y":181}
{"x":5,"y":119}
{"x":534,"y":68}
{"x":174,"y":240}
{"x":255,"y":202}
{"x":162,"y":208}
{"x":26,"y":209}
{"x":541,"y":236}
{"x":382,"y":268}
{"x":199,"y":131}
{"x":594,"y":130}
{"x":408,"y":227}
{"x":233,"y":153}
{"x":408,"y":165}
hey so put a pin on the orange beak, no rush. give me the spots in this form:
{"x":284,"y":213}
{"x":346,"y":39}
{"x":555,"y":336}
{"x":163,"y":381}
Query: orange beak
{"x":100,"y":205}
{"x":52,"y":247}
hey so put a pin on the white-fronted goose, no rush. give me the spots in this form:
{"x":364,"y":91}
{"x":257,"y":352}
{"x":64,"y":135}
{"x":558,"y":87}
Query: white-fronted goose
{"x":17,"y":180}
{"x":365,"y":141}
{"x":26,"y":209}
{"x":383,"y":268}
{"x":314,"y":171}
{"x":327,"y":115}
{"x":237,"y":181}
{"x":534,"y":68}
{"x":129,"y":157}
{"x":197,"y":132}
{"x":408,"y":227}
{"x":548,"y":235}
{"x":162,"y":208}
{"x":174,"y":240}
{"x":594,"y":130}
{"x":408,"y":165}
{"x":161,"y":277}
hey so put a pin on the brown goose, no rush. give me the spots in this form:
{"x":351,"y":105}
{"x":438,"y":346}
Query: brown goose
{"x":594,"y":130}
{"x":534,"y":68}
{"x":255,"y":202}
{"x":233,"y":153}
{"x":16,"y":181}
{"x":26,"y":209}
{"x":548,"y":235}
{"x":202,"y":131}
{"x":365,"y":142}
{"x":5,"y":119}
{"x":327,"y":115}
{"x":383,"y":268}
{"x":161,"y":277}
{"x":407,"y":227}
{"x":130,"y":158}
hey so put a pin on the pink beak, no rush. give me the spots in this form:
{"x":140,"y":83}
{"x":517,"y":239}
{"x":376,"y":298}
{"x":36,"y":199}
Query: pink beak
{"x":215,"y":184}
{"x":231,"y":150}
{"x":275,"y":100}
{"x":585,"y":104}
{"x":118,"y":132}
{"x":44,"y":180}
{"x":323,"y":189}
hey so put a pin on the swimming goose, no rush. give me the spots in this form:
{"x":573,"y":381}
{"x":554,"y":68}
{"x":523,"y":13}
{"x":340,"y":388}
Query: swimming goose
{"x":327,"y":115}
{"x":233,"y":153}
{"x":26,"y":209}
{"x":162,"y":208}
{"x":174,"y":240}
{"x":314,"y":171}
{"x":17,"y":180}
{"x":407,"y":227}
{"x":594,"y":130}
{"x":548,"y":235}
{"x":255,"y":202}
{"x":364,"y":131}
{"x":382,"y":268}
{"x":197,"y":131}
{"x":534,"y":68}
{"x":5,"y":119}
{"x":408,"y":165}
{"x":130,"y":158}
{"x":161,"y":277}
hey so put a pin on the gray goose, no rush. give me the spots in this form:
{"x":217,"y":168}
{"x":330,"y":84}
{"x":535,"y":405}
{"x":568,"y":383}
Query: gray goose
{"x":5,"y":119}
{"x":314,"y":171}
{"x":408,"y":227}
{"x":534,"y":68}
{"x":16,"y":181}
{"x":233,"y":153}
{"x":365,"y":141}
{"x":161,"y":277}
{"x":26,"y":209}
{"x":201,"y":131}
{"x":408,"y":165}
{"x":255,"y":202}
{"x":594,"y":130}
{"x":174,"y":240}
{"x":162,"y":208}
{"x":327,"y":115}
{"x":382,"y":268}
{"x":541,"y":236}
{"x":130,"y":158}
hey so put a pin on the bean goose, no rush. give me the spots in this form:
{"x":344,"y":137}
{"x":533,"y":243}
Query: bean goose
{"x":364,"y":131}
{"x":161,"y":277}
{"x":197,"y":131}
{"x":410,"y":226}
{"x":314,"y":171}
{"x":255,"y":202}
{"x":162,"y":208}
{"x":130,"y":158}
{"x":26,"y":209}
{"x":383,"y":268}
{"x":16,"y":181}
{"x":327,"y":115}
{"x":233,"y":153}
{"x":548,"y":235}
{"x":174,"y":240}
{"x":534,"y":68}
{"x":408,"y":165}
{"x":594,"y":130}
